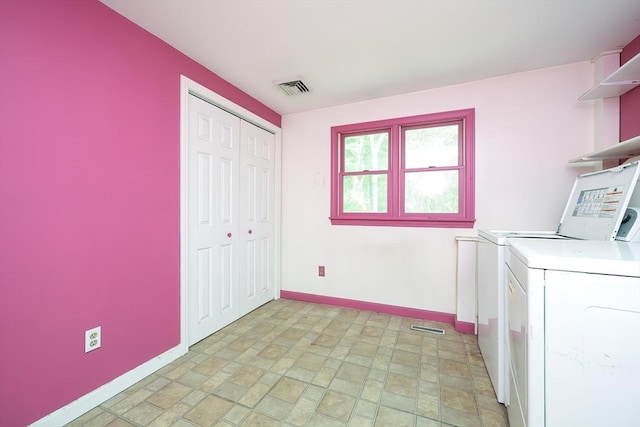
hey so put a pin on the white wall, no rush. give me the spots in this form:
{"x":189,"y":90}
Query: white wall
{"x":527,"y":126}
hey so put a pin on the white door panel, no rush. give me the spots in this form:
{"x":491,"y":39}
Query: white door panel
{"x":211,"y":230}
{"x":230,"y":218}
{"x":257,"y":148}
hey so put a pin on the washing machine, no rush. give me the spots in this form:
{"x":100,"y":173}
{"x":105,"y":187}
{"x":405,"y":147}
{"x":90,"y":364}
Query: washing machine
{"x":595,"y":210}
{"x":491,"y":306}
{"x":573,"y":332}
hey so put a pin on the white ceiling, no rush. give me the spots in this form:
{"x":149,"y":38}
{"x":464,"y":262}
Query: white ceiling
{"x":353,"y":50}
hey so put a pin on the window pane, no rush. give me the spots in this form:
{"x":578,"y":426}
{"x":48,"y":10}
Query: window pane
{"x":365,"y":193}
{"x":432,"y":146}
{"x":366,"y":152}
{"x":431,"y":192}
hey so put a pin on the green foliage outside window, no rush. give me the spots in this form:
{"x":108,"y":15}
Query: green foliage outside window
{"x":364,"y":191}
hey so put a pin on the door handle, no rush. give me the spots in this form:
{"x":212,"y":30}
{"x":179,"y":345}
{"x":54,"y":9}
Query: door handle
{"x":228,"y":234}
{"x":250,"y":231}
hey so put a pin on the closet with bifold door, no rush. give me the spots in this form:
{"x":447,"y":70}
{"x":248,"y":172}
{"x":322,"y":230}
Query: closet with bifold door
{"x":230,"y":223}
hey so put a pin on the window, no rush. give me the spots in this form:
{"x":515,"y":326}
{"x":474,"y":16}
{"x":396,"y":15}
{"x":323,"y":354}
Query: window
{"x":411,"y":171}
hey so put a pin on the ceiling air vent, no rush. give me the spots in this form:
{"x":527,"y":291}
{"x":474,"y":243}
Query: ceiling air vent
{"x":293,"y":87}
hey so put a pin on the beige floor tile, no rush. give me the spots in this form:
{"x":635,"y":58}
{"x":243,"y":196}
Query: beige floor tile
{"x":406,"y":358}
{"x":459,"y":400}
{"x":256,"y":419}
{"x":358,"y":421}
{"x":452,"y":346}
{"x":130,"y":401}
{"x":310,"y":361}
{"x":274,"y":408}
{"x":429,"y":372}
{"x":143,"y":413}
{"x":210,"y":366}
{"x":253,"y":396}
{"x":389,"y":417}
{"x":302,"y":374}
{"x":403,"y":403}
{"x":364,"y":349}
{"x":366,"y":409}
{"x":483,"y":386}
{"x":359,"y":359}
{"x":454,"y":369}
{"x":208,"y":411}
{"x":336,"y":405}
{"x":192,"y":379}
{"x":475,"y":358}
{"x":236,"y":414}
{"x":301,"y":412}
{"x":328,"y":341}
{"x":194,"y":397}
{"x":230,"y":391}
{"x":184,"y":423}
{"x":158,"y":384}
{"x":464,"y":384}
{"x":493,"y":419}
{"x":273,"y":351}
{"x":427,"y":422}
{"x":296,"y":364}
{"x":459,"y":418}
{"x":352,"y":372}
{"x":324,"y":377}
{"x":100,"y":420}
{"x":318,"y":420}
{"x":372,"y":331}
{"x":87,"y":417}
{"x":401,"y":385}
{"x":314,"y":393}
{"x":246,"y":376}
{"x":119,"y":422}
{"x":345,"y":387}
{"x":169,"y":395}
{"x":171,"y":416}
{"x":293,"y":334}
{"x":288,"y":389}
{"x":372,"y":390}
{"x":428,"y":406}
{"x":458,"y":357}
{"x":429,"y":387}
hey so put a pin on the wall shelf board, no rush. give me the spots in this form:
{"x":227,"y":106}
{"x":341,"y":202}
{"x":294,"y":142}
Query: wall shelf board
{"x":617,"y":83}
{"x":623,"y":150}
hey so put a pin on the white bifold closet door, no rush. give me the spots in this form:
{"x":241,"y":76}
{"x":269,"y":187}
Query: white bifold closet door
{"x":230,"y":224}
{"x":257,"y":186}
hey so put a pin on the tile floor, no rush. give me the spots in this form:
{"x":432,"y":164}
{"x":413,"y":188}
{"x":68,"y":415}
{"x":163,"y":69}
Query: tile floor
{"x":290,"y":363}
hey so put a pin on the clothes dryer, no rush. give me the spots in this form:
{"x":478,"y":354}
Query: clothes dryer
{"x":573,"y":309}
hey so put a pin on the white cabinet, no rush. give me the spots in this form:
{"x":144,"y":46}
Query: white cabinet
{"x":229,"y":219}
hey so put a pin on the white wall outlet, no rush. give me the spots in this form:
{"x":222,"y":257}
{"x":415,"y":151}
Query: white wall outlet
{"x":92,"y":339}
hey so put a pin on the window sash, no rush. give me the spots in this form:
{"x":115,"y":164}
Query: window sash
{"x":397,"y":172}
{"x":459,"y":167}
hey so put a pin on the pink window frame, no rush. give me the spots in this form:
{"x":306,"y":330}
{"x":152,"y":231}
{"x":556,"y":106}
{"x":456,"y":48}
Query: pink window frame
{"x":395,"y":215}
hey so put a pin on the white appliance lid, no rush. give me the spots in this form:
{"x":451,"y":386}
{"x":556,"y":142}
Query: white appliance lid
{"x":587,"y":256}
{"x":598,"y":202}
{"x":499,"y":237}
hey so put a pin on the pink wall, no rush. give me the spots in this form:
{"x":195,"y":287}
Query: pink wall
{"x":89,"y":198}
{"x":630,"y":101}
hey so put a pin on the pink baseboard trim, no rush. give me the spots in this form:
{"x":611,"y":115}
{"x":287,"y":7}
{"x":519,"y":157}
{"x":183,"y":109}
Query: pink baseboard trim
{"x":434,"y":316}
{"x":465,"y":327}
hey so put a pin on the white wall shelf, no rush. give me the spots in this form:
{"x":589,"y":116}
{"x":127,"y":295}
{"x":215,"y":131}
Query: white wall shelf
{"x":623,"y":150}
{"x":617,"y":83}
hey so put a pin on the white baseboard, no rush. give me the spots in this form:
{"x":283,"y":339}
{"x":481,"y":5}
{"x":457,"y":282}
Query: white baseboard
{"x":103,"y":393}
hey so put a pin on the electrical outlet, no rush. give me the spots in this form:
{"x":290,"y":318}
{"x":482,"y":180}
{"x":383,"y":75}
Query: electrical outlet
{"x":92,"y":339}
{"x":321,"y":270}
